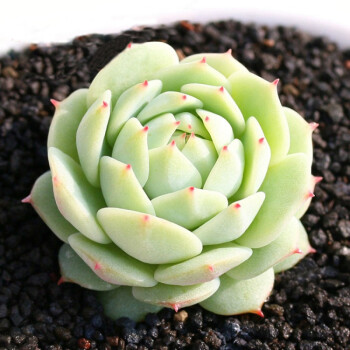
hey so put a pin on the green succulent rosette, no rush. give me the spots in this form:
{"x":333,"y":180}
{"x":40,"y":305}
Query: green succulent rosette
{"x":175,"y":183}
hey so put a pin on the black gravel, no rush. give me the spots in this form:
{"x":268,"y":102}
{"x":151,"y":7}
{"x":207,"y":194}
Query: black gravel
{"x":310,"y":305}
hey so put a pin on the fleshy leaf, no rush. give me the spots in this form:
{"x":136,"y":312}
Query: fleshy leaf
{"x":266,"y":257}
{"x":176,"y":297}
{"x":148,"y":238}
{"x":134,"y":65}
{"x":120,"y":187}
{"x":91,"y":144}
{"x":222,"y":62}
{"x":43,"y":201}
{"x":190,"y":207}
{"x":193,"y":72}
{"x":218,"y":127}
{"x":191,"y":124}
{"x":303,"y":245}
{"x":111,"y":264}
{"x":300,"y":134}
{"x":65,"y":122}
{"x":180,"y":139}
{"x":257,"y":155}
{"x":211,"y":263}
{"x":232,"y":222}
{"x":168,"y":102}
{"x":217,"y":99}
{"x":170,"y":171}
{"x":160,"y":130}
{"x":76,"y":199}
{"x":73,"y":269}
{"x":238,"y":297}
{"x":226,"y":175}
{"x":201,"y":153}
{"x":129,"y":104}
{"x":131,"y":148}
{"x":259,"y":98}
{"x":120,"y":302}
{"x":285,"y":186}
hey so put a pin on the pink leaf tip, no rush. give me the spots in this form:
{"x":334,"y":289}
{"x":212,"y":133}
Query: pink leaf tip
{"x":189,"y":126}
{"x":262,"y":139}
{"x":313,"y":126}
{"x":203,"y":60}
{"x":224,"y":148}
{"x":310,"y":195}
{"x":193,"y":134}
{"x":191,"y":189}
{"x":229,"y":52}
{"x":221,"y":89}
{"x":206,"y":119}
{"x":175,"y":307}
{"x":297,"y":251}
{"x":104,"y":104}
{"x":146,"y":218}
{"x":312,"y":250}
{"x":145,"y":129}
{"x":237,"y":205}
{"x":128,"y":166}
{"x":172,"y":144}
{"x":60,"y":281}
{"x":145,"y":83}
{"x":211,"y":268}
{"x":129,"y":45}
{"x":27,"y":199}
{"x":275,"y":82}
{"x":184,"y":97}
{"x":177,"y":123}
{"x":318,"y":179}
{"x":97,"y":266}
{"x":55,"y":102}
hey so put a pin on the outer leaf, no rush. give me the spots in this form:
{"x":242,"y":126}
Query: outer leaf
{"x":111,"y":264}
{"x":218,"y":100}
{"x":121,"y":303}
{"x":222,"y":62}
{"x":65,"y":122}
{"x":218,"y":127}
{"x":73,"y":269}
{"x":120,"y":187}
{"x":257,"y":97}
{"x":91,"y":142}
{"x":257,"y":155}
{"x":129,"y":105}
{"x":193,"y":72}
{"x":201,"y":153}
{"x":211,"y":263}
{"x":232,"y":222}
{"x":238,"y":297}
{"x":176,"y":297}
{"x":226,"y":175}
{"x":303,"y":245}
{"x":148,"y":238}
{"x":190,"y":207}
{"x":300,"y":134}
{"x":168,"y":102}
{"x":131,"y":148}
{"x":170,"y":171}
{"x":160,"y":130}
{"x":43,"y":201}
{"x":76,"y":199}
{"x":132,"y":66}
{"x":286,"y":187}
{"x":266,"y":257}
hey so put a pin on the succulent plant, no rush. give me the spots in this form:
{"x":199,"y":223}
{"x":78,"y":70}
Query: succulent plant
{"x":175,"y":183}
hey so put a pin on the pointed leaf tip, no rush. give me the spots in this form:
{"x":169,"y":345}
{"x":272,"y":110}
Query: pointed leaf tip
{"x":275,"y":82}
{"x":203,"y":60}
{"x":314,"y":126}
{"x":60,"y":281}
{"x":54,"y":102}
{"x":261,"y":140}
{"x":312,"y":250}
{"x":145,"y":83}
{"x":258,"y":312}
{"x":129,"y":45}
{"x":27,"y":199}
{"x":237,"y":206}
{"x":318,"y":179}
{"x":221,"y":89}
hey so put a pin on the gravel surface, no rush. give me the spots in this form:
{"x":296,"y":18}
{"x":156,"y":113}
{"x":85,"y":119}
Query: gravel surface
{"x":310,"y":304}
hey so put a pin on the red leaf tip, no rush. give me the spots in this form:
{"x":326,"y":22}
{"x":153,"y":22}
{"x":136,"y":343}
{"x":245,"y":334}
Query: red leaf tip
{"x":258,"y":312}
{"x":177,"y":123}
{"x":221,"y":89}
{"x":145,"y":83}
{"x":275,"y":82}
{"x":211,"y":268}
{"x":229,"y":52}
{"x":97,"y":266}
{"x":128,"y":167}
{"x":55,"y":102}
{"x":27,"y":199}
{"x":145,"y":129}
{"x":318,"y":179}
{"x":312,"y":250}
{"x":172,"y":144}
{"x":203,"y":60}
{"x":184,"y":97}
{"x":297,"y":251}
{"x":146,"y":218}
{"x":189,"y":126}
{"x":261,"y":140}
{"x":310,"y":195}
{"x":60,"y":281}
{"x":237,"y":205}
{"x":129,"y":45}
{"x":191,"y":189}
{"x":104,"y":104}
{"x":206,"y":119}
{"x":175,"y":307}
{"x":224,"y":148}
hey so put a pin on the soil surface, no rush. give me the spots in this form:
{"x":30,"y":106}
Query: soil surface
{"x":310,"y":305}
